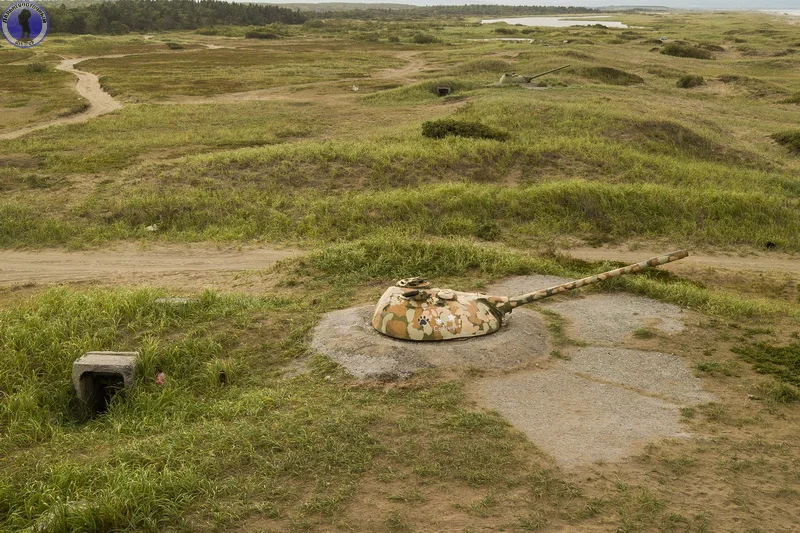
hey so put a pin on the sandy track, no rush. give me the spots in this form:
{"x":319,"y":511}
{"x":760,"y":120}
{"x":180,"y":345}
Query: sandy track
{"x":100,"y":102}
{"x":88,"y":86}
{"x":752,"y":263}
{"x":129,"y":263}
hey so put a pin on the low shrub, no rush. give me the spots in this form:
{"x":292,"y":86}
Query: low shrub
{"x":685,"y":50}
{"x":261,"y":34}
{"x":711,"y":47}
{"x":38,"y":67}
{"x":689,"y":81}
{"x":506,"y":31}
{"x":790,"y":139}
{"x":174,"y":46}
{"x":438,"y":129}
{"x":425,"y":38}
{"x":611,"y":76}
{"x":486,"y":65}
{"x":794,"y":99}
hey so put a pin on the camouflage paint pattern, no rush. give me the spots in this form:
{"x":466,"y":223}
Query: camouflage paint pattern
{"x":413,"y":310}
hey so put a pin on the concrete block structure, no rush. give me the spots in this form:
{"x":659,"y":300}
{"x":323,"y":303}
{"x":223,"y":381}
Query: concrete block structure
{"x":97,"y":376}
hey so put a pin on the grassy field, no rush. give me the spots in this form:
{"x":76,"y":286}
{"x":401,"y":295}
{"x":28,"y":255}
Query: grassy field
{"x":224,"y":140}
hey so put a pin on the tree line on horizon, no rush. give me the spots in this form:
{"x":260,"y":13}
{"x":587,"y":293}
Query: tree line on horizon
{"x":123,"y":16}
{"x":417,"y":12}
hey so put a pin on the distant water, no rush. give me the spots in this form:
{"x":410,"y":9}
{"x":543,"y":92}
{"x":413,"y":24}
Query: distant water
{"x":557,"y":22}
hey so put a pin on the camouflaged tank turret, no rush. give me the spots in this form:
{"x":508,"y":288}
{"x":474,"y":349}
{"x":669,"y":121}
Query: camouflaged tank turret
{"x":413,"y":310}
{"x":512,"y":77}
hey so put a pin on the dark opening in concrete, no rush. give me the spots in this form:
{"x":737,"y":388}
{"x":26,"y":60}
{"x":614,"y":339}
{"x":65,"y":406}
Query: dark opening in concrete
{"x":443,"y":90}
{"x":101,"y":387}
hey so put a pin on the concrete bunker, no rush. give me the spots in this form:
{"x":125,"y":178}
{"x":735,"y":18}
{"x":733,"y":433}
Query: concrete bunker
{"x":99,"y":376}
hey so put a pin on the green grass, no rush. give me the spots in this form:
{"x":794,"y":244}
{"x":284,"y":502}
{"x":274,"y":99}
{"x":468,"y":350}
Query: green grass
{"x":438,"y":129}
{"x":683,"y":50}
{"x":780,"y":361}
{"x":611,"y":75}
{"x":207,"y":72}
{"x":689,"y":81}
{"x":285,"y":449}
{"x":47,"y":94}
{"x":611,"y":151}
{"x":536,"y":212}
{"x":789,"y":139}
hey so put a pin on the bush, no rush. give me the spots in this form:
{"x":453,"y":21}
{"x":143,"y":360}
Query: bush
{"x":437,"y":129}
{"x":711,"y":47}
{"x":794,"y":99}
{"x":689,"y":81}
{"x":611,"y":75}
{"x":260,"y":34}
{"x":685,"y":50}
{"x":37,"y":66}
{"x":174,"y":46}
{"x":789,"y":139}
{"x":118,"y":28}
{"x":506,"y":31}
{"x":425,"y":38}
{"x":394,"y":39}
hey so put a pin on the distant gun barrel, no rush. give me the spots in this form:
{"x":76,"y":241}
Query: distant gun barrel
{"x":529,"y":78}
{"x":523,"y":299}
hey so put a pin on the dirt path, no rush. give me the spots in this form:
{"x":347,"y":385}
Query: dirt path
{"x":767,"y":262}
{"x":414,"y":66}
{"x":100,"y":102}
{"x":129,"y":263}
{"x":88,"y":86}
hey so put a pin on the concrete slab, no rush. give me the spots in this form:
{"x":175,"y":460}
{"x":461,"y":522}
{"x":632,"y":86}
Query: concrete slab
{"x":609,"y":318}
{"x":347,"y":337}
{"x":598,"y":318}
{"x":650,"y":373}
{"x":579,"y":421}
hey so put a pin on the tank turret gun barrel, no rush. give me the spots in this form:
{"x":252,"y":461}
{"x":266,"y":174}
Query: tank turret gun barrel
{"x":529,"y":78}
{"x":523,"y":299}
{"x":413,"y":310}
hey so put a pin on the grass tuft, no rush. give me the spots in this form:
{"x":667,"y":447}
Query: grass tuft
{"x":438,"y":129}
{"x":789,"y":139}
{"x":689,"y":81}
{"x":782,"y":362}
{"x":685,"y":50}
{"x":610,"y":75}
